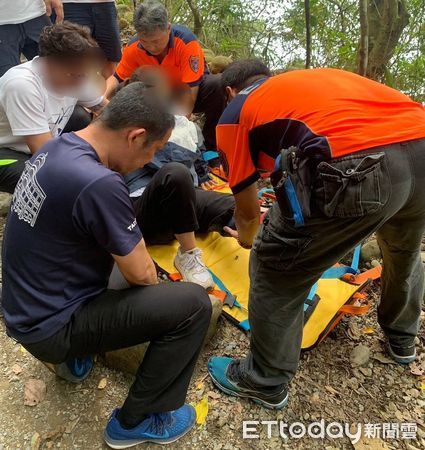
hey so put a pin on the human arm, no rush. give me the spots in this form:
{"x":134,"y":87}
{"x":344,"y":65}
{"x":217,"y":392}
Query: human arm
{"x":236,"y":158}
{"x":104,"y":212}
{"x":111,"y":85}
{"x":90,"y":94}
{"x":24,"y":104}
{"x":57,"y":7}
{"x":137,"y":267}
{"x":97,"y":109}
{"x":247,"y":216}
{"x":36,"y":141}
{"x":188,"y":99}
{"x":128,"y":64}
{"x":192,"y":72}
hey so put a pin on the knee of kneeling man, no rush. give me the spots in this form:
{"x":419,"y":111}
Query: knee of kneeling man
{"x":177,"y":172}
{"x":200,"y":300}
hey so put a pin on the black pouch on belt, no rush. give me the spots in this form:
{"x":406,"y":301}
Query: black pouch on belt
{"x":291,"y":180}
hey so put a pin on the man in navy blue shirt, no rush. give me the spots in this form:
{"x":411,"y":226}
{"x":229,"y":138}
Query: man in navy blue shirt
{"x":71,"y":218}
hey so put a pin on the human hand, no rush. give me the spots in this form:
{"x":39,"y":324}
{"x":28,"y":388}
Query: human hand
{"x":57,"y":7}
{"x":209,"y":185}
{"x":231,"y":232}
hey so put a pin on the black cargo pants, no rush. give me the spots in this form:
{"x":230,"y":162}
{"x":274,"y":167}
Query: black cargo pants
{"x":353,"y":197}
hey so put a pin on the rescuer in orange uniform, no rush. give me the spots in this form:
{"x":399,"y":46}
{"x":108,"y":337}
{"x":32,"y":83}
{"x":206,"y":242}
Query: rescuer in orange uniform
{"x":348,"y":159}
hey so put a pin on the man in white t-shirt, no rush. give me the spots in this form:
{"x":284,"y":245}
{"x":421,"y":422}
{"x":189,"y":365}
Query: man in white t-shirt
{"x":43,"y":98}
{"x":21,"y":22}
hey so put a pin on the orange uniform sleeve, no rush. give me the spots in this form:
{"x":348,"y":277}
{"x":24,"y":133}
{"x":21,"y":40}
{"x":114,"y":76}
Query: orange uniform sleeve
{"x":192,"y":63}
{"x":128,"y":63}
{"x":233,"y":145}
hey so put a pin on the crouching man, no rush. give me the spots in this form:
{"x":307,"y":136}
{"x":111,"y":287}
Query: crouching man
{"x":70,"y":219}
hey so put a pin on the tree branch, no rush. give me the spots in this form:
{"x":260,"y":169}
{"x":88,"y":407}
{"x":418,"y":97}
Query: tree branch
{"x":364,"y":38}
{"x":307,"y":33}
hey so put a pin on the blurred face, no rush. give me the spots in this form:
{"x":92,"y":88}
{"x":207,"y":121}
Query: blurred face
{"x":156,"y":42}
{"x":66,"y":77}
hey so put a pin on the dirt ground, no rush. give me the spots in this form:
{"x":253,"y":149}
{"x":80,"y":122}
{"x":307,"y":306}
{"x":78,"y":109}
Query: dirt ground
{"x":326,"y":387}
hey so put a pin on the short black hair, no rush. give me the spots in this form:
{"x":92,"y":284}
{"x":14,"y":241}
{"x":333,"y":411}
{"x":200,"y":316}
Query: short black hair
{"x":136,"y":106}
{"x":242,"y":73}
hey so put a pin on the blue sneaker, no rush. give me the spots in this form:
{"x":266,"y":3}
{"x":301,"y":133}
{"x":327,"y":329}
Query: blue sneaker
{"x":225,"y":374}
{"x":75,"y":370}
{"x":162,"y":428}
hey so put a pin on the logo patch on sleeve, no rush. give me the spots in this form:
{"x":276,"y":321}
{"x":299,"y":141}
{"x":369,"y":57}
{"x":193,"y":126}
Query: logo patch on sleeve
{"x":194,"y":63}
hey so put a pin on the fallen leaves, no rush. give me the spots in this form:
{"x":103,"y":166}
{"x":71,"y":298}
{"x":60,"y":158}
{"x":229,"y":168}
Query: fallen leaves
{"x":69,"y":428}
{"x":353,"y":331}
{"x":417,"y":368}
{"x":102,"y":384}
{"x":214,"y":395}
{"x":383,"y":359}
{"x":368,"y":330}
{"x":201,"y":409}
{"x":51,"y":436}
{"x":331,"y":390}
{"x":35,"y":441}
{"x":34,"y":392}
{"x":371,"y":444}
{"x":16,"y":369}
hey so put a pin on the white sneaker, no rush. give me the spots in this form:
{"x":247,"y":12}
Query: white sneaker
{"x":193,"y":269}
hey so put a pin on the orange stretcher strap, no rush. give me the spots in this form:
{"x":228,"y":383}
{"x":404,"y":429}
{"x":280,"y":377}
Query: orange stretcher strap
{"x":354,"y":309}
{"x":372,"y":274}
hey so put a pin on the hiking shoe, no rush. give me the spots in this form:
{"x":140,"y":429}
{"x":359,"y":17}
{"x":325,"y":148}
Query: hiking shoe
{"x":225,"y":374}
{"x":402,"y":355}
{"x":75,"y":370}
{"x":193,"y":269}
{"x":162,"y":428}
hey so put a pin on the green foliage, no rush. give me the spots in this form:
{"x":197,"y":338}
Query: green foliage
{"x":275,"y":31}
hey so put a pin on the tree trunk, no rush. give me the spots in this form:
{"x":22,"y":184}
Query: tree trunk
{"x":197,"y":19}
{"x":387,"y":20}
{"x":307,"y":34}
{"x":364,"y":38}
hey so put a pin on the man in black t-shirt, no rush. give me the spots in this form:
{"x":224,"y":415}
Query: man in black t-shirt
{"x":71,"y":218}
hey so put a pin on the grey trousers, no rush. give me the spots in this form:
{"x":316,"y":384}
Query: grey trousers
{"x":380,"y":190}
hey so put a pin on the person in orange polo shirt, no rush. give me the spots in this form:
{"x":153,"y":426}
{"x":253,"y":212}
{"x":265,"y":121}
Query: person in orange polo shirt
{"x":177,"y":51}
{"x":347,"y":156}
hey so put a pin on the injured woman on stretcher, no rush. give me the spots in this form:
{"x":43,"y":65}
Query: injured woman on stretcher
{"x":174,"y":196}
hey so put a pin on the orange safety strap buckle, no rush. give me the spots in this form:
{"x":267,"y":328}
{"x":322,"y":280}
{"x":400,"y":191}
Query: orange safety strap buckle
{"x":360,"y":278}
{"x":175,"y":276}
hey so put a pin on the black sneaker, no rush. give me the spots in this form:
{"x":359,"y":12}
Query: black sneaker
{"x":225,"y":374}
{"x":402,"y":355}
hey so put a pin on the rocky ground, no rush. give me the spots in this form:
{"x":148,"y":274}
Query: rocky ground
{"x":347,"y":379}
